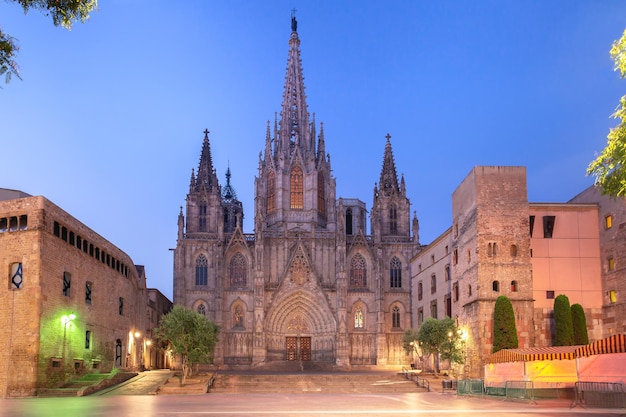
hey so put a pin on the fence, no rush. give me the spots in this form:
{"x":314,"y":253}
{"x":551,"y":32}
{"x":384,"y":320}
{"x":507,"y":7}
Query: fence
{"x":470,"y":387}
{"x":519,"y":390}
{"x":599,"y":394}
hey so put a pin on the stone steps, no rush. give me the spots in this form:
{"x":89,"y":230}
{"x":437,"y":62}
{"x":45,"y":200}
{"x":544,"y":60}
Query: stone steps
{"x":336,"y":383}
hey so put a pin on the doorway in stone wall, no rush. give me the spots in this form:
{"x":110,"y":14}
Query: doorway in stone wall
{"x":298,"y":348}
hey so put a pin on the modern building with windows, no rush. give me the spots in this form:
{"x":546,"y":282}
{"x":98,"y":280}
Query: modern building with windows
{"x":71,"y":302}
{"x":311,"y":285}
{"x":499,"y":243}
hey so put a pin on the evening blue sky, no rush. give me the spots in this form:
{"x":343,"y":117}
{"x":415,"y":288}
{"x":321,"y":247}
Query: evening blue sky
{"x":107,"y":122}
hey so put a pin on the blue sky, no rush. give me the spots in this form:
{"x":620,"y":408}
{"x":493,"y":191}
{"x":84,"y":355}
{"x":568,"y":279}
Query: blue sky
{"x":107,"y":122}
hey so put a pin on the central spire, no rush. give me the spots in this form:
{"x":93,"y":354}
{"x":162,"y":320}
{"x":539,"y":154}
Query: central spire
{"x":294,"y":115}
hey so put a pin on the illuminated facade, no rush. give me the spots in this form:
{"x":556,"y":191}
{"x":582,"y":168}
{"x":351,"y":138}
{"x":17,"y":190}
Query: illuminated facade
{"x":500,"y":244}
{"x":71,"y":302}
{"x":310,"y":286}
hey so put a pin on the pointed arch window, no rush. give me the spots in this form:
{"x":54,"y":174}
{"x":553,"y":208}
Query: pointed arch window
{"x":358,"y":318}
{"x":297,"y":198}
{"x":238,"y":271}
{"x":202,"y":217}
{"x":202,"y":270}
{"x":395,"y":317}
{"x":321,"y":195}
{"x":395,"y":273}
{"x":349,"y":221}
{"x":202,"y":309}
{"x":271,"y":192}
{"x":393,"y":219}
{"x":358,"y":272}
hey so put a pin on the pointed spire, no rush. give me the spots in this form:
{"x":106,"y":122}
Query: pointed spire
{"x":192,"y":182}
{"x":321,"y":144}
{"x":294,"y":116}
{"x":206,"y":178}
{"x":268,"y":142}
{"x":388,"y":175}
{"x":228,"y":193}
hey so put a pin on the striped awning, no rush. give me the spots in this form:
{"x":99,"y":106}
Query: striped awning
{"x":612,"y":344}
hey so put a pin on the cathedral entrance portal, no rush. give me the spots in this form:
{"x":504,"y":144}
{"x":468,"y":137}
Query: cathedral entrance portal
{"x":298,"y":348}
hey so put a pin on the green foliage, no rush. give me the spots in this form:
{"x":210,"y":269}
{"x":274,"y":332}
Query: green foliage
{"x":563,"y":328}
{"x":441,"y":337}
{"x":189,"y":335}
{"x":579,"y":324}
{"x":63,"y":13}
{"x":408,"y":341}
{"x":609,"y":168}
{"x":504,"y":328}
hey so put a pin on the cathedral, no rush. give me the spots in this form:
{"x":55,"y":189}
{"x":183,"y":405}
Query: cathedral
{"x":310,"y":286}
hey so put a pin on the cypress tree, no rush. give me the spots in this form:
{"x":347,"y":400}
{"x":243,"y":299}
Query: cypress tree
{"x":504,"y":328}
{"x":579,"y":323}
{"x":563,"y":328}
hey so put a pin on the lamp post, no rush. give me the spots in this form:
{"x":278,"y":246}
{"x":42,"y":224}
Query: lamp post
{"x":66,"y":320}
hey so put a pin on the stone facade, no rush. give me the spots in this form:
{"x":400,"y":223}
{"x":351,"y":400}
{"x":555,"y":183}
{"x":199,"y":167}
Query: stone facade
{"x":310,"y":285}
{"x":500,"y":244}
{"x":71,"y":301}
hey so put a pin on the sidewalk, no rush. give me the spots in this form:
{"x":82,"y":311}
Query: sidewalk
{"x":146,"y":383}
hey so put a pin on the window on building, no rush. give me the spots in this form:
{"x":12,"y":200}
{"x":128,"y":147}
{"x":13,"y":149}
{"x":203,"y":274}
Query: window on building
{"x":271,"y":192}
{"x":202,"y":217}
{"x":469,"y":290}
{"x":447,"y":273}
{"x":455,"y":257}
{"x":548,"y":226}
{"x":447,"y":250}
{"x":120,"y":306}
{"x":612,"y":297}
{"x":395,"y":273}
{"x":433,"y":309}
{"x":469,"y":256}
{"x":72,"y":239}
{"x":455,"y":291}
{"x":23,"y":222}
{"x":4,"y":225}
{"x":420,"y":290}
{"x":16,"y":277}
{"x":67,"y":283}
{"x":349,"y":221}
{"x":608,"y":222}
{"x":238,"y":317}
{"x":610,"y":263}
{"x":393,"y":220}
{"x":13,"y":224}
{"x":321,"y":194}
{"x":495,"y":286}
{"x":358,"y":272}
{"x":456,"y":230}
{"x":550,"y":294}
{"x":513,"y":286}
{"x":420,"y":316}
{"x":432,"y":259}
{"x":433,"y":283}
{"x":448,"y":305}
{"x":238,"y":269}
{"x":64,"y":233}
{"x":88,"y":287}
{"x":296,"y":188}
{"x":358,"y":318}
{"x":395,"y":317}
{"x":492,"y":249}
{"x":87,"y":339}
{"x":513,"y":251}
{"x":202,"y":270}
{"x":201,"y":309}
{"x":532,"y":224}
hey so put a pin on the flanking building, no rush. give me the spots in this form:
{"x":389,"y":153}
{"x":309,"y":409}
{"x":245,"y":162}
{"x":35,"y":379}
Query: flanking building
{"x":499,"y":243}
{"x":71,"y":303}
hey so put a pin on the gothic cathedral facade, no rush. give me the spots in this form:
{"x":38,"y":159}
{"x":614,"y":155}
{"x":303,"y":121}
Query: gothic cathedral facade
{"x":309,"y":286}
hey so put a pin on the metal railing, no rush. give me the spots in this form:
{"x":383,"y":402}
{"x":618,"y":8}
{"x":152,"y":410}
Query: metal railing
{"x":599,"y":394}
{"x":420,"y":382}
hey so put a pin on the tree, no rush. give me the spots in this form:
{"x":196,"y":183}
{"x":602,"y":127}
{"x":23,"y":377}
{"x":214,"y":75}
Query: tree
{"x":63,"y":13}
{"x":579,"y":324}
{"x":442,"y":339}
{"x":410,"y":343}
{"x":504,"y":328}
{"x":189,"y":335}
{"x":609,"y":168}
{"x":563,"y":328}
